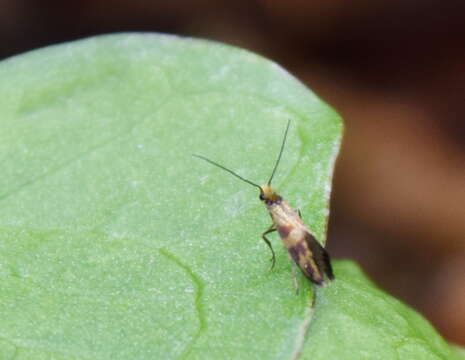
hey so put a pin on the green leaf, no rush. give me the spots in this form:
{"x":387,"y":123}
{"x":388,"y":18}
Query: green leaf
{"x":115,"y":243}
{"x":460,"y":351}
{"x":365,"y":323}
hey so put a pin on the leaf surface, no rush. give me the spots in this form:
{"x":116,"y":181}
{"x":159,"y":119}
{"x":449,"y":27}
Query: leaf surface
{"x":115,"y":243}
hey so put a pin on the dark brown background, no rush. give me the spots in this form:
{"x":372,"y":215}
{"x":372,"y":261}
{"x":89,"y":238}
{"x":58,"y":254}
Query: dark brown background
{"x":395,"y":70}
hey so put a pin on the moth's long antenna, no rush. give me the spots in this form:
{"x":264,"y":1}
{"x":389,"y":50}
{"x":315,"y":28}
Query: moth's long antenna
{"x":280,"y":153}
{"x":226,"y":169}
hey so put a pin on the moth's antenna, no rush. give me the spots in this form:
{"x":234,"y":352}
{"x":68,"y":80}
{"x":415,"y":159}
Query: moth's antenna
{"x":226,"y":169}
{"x":280,"y":153}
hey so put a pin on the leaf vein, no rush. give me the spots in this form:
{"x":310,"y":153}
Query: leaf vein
{"x":303,"y":329}
{"x":199,"y":290}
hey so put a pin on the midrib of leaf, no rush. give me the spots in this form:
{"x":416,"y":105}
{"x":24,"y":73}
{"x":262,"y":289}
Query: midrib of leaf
{"x":303,"y":329}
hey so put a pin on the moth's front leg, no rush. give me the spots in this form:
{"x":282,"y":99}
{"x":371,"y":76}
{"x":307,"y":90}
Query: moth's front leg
{"x":271,"y":229}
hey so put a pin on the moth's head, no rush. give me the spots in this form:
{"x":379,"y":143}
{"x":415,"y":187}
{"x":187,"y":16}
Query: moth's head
{"x":268,"y":195}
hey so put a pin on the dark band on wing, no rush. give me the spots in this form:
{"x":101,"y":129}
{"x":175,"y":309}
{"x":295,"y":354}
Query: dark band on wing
{"x":320,"y":256}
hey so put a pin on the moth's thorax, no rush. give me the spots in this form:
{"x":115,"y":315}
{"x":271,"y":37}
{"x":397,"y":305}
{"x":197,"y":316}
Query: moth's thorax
{"x":284,"y":215}
{"x":280,"y":211}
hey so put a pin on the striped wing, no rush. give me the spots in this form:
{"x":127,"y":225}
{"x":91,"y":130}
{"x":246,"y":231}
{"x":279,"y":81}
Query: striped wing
{"x":312,"y":259}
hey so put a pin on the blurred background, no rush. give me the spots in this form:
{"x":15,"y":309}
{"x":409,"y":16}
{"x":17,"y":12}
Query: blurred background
{"x":395,"y":71}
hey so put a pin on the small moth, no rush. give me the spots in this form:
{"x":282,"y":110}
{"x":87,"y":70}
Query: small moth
{"x":301,"y":244}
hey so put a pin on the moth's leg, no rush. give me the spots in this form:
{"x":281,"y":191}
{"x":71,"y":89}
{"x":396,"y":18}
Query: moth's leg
{"x":294,"y":276}
{"x":270,"y":230}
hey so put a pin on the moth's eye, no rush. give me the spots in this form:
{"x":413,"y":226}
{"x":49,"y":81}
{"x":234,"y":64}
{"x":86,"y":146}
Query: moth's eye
{"x":262,"y":197}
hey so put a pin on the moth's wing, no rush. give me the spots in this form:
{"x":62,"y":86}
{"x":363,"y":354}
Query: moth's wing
{"x":320,"y":256}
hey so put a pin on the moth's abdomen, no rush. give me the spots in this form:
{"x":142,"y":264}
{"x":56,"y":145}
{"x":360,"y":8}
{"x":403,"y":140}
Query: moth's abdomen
{"x":304,"y":249}
{"x":321,"y":257}
{"x":307,"y":252}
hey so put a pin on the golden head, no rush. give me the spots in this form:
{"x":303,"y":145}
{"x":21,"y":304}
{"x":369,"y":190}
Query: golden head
{"x":268,"y":195}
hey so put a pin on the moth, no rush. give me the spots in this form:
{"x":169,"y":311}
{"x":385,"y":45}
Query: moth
{"x":312,"y":259}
